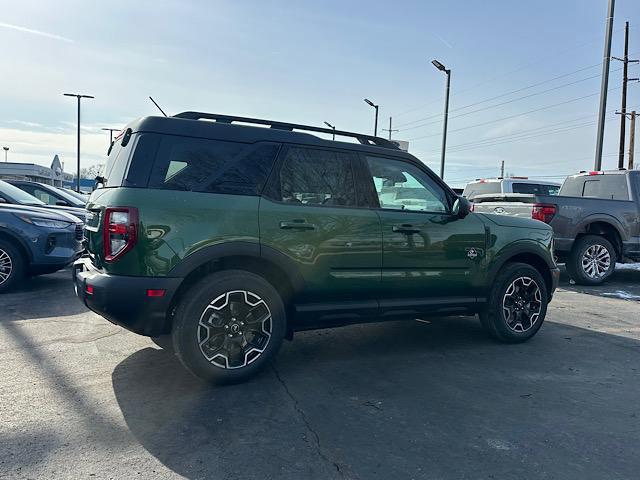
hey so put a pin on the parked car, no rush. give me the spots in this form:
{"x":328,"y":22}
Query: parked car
{"x":219,"y":239}
{"x":35,"y":241}
{"x":523,"y":185}
{"x":13,"y":195}
{"x":48,"y":193}
{"x":80,"y":195}
{"x":595,"y":218}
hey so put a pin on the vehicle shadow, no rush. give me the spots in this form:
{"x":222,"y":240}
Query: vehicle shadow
{"x":49,"y":295}
{"x":624,"y":284}
{"x":398,"y":400}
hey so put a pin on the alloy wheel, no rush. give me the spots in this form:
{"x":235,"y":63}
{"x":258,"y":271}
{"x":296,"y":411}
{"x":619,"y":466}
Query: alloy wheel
{"x":522,"y":304}
{"x":596,"y":261}
{"x":6,"y":266}
{"x":234,"y":329}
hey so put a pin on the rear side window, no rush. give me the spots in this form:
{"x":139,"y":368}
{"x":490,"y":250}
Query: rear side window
{"x":212,"y":166}
{"x":535,"y":189}
{"x":317,"y":177}
{"x":610,"y":187}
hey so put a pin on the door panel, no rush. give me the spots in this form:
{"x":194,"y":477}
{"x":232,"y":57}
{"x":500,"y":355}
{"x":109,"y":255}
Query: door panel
{"x":312,"y":216}
{"x":429,"y":254}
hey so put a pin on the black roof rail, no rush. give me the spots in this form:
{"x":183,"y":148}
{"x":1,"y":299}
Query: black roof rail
{"x":363,"y":139}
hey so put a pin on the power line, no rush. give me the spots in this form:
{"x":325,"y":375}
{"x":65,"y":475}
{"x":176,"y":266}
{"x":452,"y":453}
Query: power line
{"x":505,"y":94}
{"x":557,"y":87}
{"x":516,"y":115}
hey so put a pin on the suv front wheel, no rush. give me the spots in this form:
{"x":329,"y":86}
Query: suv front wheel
{"x":228,"y":326}
{"x":517,"y":304}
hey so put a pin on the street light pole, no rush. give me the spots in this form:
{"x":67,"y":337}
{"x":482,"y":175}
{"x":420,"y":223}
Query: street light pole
{"x":331,"y":127}
{"x":78,"y":97}
{"x":375,"y":125}
{"x":111,"y":130}
{"x":447,"y":71}
{"x":6,"y":149}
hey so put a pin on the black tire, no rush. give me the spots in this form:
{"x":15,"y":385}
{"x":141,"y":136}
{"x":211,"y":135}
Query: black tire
{"x":13,"y":263}
{"x":165,"y":342}
{"x":581,"y":250}
{"x":526,"y":317}
{"x":239,"y":343}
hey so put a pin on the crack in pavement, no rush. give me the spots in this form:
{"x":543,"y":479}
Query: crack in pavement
{"x":303,"y":416}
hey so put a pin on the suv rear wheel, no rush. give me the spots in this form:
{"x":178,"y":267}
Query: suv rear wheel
{"x":592,"y":260}
{"x":517,"y":304}
{"x":229,"y":326}
{"x":12,"y":268}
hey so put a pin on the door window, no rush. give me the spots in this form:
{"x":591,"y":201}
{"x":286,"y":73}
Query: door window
{"x":317,"y":177}
{"x":609,"y":187}
{"x":402,"y":186}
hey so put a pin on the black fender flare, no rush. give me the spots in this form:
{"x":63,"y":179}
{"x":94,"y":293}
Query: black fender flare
{"x":602,"y":218}
{"x":20,"y":241}
{"x":243,"y":249}
{"x":512,"y":250}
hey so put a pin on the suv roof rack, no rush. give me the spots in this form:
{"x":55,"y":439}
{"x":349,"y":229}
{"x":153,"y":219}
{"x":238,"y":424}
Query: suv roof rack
{"x":363,"y":139}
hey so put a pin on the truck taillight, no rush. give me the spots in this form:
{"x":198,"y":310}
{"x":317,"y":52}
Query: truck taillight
{"x":543,"y":212}
{"x":120,"y":231}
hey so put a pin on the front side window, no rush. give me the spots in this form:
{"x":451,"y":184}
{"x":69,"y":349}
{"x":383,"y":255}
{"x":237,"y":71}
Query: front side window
{"x":402,"y":186}
{"x":317,"y":177}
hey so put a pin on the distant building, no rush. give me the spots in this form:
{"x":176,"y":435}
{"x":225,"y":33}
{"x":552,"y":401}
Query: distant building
{"x":54,"y":175}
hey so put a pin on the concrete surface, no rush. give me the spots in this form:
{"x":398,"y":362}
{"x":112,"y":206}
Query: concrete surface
{"x":81,"y":398}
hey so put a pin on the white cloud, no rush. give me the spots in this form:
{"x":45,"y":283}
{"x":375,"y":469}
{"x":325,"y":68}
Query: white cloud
{"x":35,"y":32}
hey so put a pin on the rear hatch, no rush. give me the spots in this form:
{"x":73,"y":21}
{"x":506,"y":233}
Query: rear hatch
{"x":514,"y":204}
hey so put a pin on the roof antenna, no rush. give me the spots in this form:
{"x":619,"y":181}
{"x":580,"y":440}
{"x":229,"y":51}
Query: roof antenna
{"x":154,"y":102}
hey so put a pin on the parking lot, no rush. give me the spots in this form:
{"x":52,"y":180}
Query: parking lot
{"x":82,"y":398}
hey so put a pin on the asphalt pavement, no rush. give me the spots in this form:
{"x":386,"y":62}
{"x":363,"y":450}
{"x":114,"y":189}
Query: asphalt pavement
{"x":430,"y":399}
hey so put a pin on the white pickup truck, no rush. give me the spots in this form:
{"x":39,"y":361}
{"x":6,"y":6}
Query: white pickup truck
{"x":524,"y":185}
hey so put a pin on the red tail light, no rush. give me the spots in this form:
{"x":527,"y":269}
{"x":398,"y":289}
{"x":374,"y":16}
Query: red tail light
{"x":543,"y":212}
{"x":120,"y":231}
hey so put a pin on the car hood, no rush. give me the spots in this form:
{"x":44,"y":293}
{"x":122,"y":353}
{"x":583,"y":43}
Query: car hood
{"x":41,"y":211}
{"x":80,"y":213}
{"x":517,"y":222}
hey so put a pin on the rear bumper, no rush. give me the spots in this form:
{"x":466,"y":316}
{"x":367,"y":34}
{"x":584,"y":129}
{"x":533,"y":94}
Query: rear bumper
{"x":123,"y":299}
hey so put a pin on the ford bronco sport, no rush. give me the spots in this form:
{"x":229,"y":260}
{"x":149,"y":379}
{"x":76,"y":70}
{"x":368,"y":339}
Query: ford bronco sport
{"x":219,"y":238}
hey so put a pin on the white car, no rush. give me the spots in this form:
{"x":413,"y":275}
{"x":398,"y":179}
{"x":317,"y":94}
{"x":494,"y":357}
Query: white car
{"x":510,"y":185}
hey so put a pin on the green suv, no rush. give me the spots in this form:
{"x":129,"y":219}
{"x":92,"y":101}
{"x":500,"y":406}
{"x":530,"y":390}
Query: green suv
{"x":218,"y":238}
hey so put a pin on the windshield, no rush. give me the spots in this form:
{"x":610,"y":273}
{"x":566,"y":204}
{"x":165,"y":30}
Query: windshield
{"x":71,"y":199}
{"x":15,"y":195}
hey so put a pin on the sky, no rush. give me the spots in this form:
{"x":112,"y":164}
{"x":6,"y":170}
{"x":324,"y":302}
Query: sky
{"x":524,"y":85}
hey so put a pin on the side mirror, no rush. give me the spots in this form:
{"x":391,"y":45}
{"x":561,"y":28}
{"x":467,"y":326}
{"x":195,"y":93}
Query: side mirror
{"x":62,"y":203}
{"x":461,"y":207}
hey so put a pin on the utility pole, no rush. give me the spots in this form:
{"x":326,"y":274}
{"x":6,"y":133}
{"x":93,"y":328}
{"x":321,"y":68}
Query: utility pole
{"x":604,"y":86}
{"x":502,"y":169}
{"x":78,"y":97}
{"x":390,"y":129}
{"x":632,"y":138}
{"x":625,"y":81}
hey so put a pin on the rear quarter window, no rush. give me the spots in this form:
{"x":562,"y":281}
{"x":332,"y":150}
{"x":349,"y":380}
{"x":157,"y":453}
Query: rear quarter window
{"x":117,"y":162}
{"x":535,"y":188}
{"x":481,"y":188}
{"x":213,"y":166}
{"x":608,"y":187}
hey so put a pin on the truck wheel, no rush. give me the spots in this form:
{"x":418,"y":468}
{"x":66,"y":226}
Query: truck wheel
{"x":228,"y":326}
{"x":12,"y":267}
{"x":517,"y":304}
{"x":592,"y":260}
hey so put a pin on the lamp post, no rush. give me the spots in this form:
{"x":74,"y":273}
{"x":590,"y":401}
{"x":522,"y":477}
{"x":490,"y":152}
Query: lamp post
{"x":6,"y":149}
{"x":331,"y":127}
{"x":447,"y":71}
{"x":78,"y":97}
{"x":375,"y":126}
{"x":111,"y":130}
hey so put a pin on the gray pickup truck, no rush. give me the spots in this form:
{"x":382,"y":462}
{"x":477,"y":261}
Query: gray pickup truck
{"x":595,"y":219}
